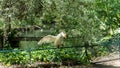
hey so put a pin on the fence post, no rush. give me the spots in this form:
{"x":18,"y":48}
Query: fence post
{"x":86,"y":51}
{"x":30,"y":56}
{"x":119,"y":48}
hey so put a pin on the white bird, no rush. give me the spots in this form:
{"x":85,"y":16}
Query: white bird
{"x":57,"y":40}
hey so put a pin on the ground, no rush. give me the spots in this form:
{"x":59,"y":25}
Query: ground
{"x":110,"y":61}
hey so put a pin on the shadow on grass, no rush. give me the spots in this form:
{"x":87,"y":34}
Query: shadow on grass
{"x":102,"y":66}
{"x":76,"y":65}
{"x":54,"y":65}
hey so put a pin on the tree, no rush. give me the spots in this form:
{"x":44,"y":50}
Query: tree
{"x":78,"y":18}
{"x":108,"y":13}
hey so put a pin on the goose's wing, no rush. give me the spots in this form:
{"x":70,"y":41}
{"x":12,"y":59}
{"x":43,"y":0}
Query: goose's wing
{"x":47,"y":39}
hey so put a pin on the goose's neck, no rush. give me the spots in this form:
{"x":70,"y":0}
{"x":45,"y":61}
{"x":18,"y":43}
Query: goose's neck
{"x":59,"y":35}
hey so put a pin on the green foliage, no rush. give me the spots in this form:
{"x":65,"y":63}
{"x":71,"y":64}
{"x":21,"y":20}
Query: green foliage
{"x":108,"y":13}
{"x":87,"y":20}
{"x":51,"y":55}
{"x":58,"y":55}
{"x":14,"y":58}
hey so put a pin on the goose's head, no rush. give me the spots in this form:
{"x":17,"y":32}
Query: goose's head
{"x":63,"y":34}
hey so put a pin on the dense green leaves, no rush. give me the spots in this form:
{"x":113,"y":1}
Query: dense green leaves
{"x":87,"y":20}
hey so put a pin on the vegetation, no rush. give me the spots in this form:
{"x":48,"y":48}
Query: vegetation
{"x":87,"y":23}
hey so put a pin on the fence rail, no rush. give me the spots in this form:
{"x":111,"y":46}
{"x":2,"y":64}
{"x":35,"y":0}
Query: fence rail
{"x":28,"y":50}
{"x":32,"y":38}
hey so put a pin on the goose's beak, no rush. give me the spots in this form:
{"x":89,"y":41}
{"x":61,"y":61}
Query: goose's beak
{"x":65,"y":36}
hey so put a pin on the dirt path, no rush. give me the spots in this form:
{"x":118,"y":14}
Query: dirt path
{"x":110,"y":60}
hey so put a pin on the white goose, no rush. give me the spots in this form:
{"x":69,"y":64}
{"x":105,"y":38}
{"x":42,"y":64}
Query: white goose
{"x":57,"y":40}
